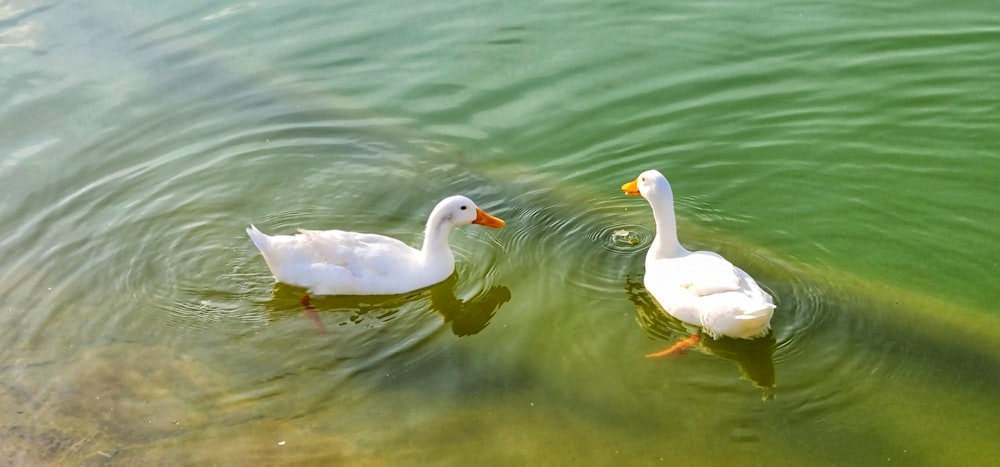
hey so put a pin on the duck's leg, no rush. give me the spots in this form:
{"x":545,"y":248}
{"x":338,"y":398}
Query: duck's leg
{"x":310,"y":312}
{"x":679,"y":347}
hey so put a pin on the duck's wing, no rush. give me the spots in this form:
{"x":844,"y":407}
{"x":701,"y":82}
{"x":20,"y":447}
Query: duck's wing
{"x":706,"y":273}
{"x":753,"y":290}
{"x":363,"y":254}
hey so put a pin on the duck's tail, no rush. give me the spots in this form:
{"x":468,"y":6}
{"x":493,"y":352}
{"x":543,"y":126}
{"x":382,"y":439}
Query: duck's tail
{"x":259,"y":239}
{"x":263,"y":243}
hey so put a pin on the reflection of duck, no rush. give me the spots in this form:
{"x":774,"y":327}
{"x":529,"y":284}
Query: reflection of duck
{"x":754,"y":356}
{"x":335,"y":262}
{"x":466,"y":317}
{"x":701,"y":287}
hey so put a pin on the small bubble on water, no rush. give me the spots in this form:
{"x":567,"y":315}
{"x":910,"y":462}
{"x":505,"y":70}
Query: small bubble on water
{"x":625,"y":238}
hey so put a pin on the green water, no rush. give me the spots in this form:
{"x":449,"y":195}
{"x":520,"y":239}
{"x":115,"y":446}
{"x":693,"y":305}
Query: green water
{"x":846,"y":155}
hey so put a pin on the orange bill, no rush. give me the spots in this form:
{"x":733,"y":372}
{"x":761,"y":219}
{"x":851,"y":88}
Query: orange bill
{"x":631,"y":188}
{"x":489,"y":221}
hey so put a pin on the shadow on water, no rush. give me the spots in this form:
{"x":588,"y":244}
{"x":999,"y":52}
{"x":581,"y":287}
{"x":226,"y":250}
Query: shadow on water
{"x":465,"y":316}
{"x":755,"y":357}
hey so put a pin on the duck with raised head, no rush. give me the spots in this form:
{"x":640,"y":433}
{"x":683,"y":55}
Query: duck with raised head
{"x":339,"y":262}
{"x":700,"y":288}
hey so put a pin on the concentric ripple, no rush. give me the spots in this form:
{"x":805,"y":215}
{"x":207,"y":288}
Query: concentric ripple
{"x":808,"y":357}
{"x":590,"y":257}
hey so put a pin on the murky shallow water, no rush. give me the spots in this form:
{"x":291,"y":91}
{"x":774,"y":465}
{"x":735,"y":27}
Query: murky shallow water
{"x":844,"y":155}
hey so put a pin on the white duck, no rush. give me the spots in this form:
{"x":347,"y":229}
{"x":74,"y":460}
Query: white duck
{"x":700,"y":288}
{"x":336,"y":262}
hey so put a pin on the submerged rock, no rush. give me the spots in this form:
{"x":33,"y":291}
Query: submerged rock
{"x":34,"y":445}
{"x":101,"y":398}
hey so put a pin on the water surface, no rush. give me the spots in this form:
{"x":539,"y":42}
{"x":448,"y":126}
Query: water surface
{"x":843,"y":154}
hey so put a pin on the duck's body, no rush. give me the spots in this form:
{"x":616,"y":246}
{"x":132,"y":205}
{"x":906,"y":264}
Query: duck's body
{"x":703,"y":289}
{"x":700,"y":288}
{"x":337,"y":262}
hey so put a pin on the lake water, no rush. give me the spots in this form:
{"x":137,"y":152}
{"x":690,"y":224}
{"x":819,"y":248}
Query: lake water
{"x":845,"y":154}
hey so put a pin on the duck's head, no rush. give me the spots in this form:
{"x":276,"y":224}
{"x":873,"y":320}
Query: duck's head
{"x":459,"y":210}
{"x":650,"y":183}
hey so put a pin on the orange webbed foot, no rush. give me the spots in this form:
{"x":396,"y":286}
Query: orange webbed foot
{"x":310,"y":312}
{"x":679,"y":347}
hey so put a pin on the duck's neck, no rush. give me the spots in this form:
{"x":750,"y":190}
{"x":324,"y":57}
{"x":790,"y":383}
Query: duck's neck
{"x":435,"y":247}
{"x":665,"y":244}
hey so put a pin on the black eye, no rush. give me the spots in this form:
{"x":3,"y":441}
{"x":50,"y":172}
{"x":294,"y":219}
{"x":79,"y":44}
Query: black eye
{"x":643,"y":179}
{"x":463,"y":207}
